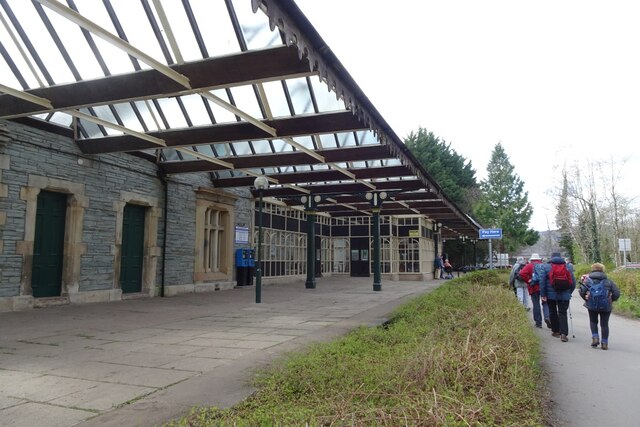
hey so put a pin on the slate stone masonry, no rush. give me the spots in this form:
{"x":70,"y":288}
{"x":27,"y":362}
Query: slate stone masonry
{"x":28,"y":154}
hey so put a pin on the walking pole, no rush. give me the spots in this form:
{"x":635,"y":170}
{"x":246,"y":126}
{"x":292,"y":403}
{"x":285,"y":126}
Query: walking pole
{"x":573,"y":332}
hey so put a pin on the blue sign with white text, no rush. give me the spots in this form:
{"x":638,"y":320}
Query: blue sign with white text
{"x":491,"y":233}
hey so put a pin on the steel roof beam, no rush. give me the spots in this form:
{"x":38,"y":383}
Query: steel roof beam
{"x":228,"y":132}
{"x":293,"y":158}
{"x":225,"y":71}
{"x":316,"y":176}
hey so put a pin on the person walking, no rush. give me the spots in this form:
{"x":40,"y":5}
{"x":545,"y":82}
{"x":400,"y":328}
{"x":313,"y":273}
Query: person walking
{"x":519,"y":285}
{"x":556,"y":287}
{"x":528,"y":273}
{"x":438,"y":267}
{"x":599,"y":293}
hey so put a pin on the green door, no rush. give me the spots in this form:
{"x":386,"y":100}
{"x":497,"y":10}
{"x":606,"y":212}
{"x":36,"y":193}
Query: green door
{"x":48,"y":245}
{"x":132,"y":249}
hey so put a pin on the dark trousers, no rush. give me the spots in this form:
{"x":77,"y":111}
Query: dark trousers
{"x":537,"y":313}
{"x":558,"y":316}
{"x":604,"y":323}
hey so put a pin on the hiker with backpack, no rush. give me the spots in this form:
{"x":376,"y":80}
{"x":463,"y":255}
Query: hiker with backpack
{"x":529,"y":274}
{"x":519,"y":285}
{"x":599,"y":293}
{"x":556,"y":287}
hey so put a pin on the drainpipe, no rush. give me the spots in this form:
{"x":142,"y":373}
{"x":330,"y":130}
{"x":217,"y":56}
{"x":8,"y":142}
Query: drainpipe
{"x":164,"y":232}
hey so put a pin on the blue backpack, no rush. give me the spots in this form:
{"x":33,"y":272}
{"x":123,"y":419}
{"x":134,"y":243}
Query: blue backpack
{"x":599,"y":296}
{"x":538,"y":271}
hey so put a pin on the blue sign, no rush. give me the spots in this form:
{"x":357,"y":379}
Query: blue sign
{"x":491,"y":233}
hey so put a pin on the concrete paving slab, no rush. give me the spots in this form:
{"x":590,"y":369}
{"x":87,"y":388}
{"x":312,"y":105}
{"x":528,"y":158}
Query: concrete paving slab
{"x":8,"y":378}
{"x":170,"y":349}
{"x":101,"y":356}
{"x":8,"y":401}
{"x":144,"y":359}
{"x":224,"y":353}
{"x":102,"y":396}
{"x":225,"y":335}
{"x":32,"y":414}
{"x":196,"y":364}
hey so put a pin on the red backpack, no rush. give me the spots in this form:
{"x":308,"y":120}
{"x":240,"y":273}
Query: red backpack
{"x":560,"y":277}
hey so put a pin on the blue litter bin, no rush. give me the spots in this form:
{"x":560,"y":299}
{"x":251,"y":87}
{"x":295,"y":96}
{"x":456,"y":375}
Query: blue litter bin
{"x":242,"y":267}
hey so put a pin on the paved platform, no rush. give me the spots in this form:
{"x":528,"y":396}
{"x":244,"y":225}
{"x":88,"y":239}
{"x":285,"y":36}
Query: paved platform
{"x":141,"y":362}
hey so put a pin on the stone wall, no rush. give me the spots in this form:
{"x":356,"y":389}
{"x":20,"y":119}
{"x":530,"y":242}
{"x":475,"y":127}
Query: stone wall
{"x":99,"y":186}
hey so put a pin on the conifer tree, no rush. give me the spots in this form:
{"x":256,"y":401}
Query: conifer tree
{"x":563,"y":218}
{"x":504,"y":203}
{"x":452,"y":172}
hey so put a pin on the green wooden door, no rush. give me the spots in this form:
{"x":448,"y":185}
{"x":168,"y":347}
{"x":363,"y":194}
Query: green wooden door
{"x":132,"y":249}
{"x":48,"y":245}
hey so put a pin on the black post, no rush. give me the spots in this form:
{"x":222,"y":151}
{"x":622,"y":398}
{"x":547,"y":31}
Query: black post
{"x":376,"y":250}
{"x":258,"y":251}
{"x":311,"y":249}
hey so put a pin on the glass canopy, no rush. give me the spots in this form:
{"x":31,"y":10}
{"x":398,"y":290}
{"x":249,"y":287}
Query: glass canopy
{"x":231,"y":88}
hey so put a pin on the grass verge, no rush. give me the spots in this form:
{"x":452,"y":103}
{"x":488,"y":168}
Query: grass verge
{"x":464,"y":354}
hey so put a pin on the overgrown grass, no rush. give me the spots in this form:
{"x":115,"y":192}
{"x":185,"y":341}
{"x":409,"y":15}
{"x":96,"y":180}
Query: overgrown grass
{"x":464,"y":354}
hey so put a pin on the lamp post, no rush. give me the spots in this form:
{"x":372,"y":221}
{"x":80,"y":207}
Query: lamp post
{"x":475,"y":259}
{"x":260,"y":184}
{"x":464,"y":255}
{"x":376,"y":199}
{"x":438,"y":237}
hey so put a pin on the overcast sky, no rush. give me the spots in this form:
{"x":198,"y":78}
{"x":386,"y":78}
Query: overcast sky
{"x":553,"y":81}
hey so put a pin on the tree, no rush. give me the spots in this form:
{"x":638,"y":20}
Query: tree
{"x":600,"y":214}
{"x":452,"y":172}
{"x":563,"y":219}
{"x":504,"y":203}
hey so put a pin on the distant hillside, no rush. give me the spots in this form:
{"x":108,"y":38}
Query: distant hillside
{"x":548,"y":243}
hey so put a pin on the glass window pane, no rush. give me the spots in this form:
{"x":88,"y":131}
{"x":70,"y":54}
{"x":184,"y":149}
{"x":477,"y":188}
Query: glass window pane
{"x":221,"y":114}
{"x":172,"y":112}
{"x":246,"y":100}
{"x":195,"y":108}
{"x":255,"y":27}
{"x":136,"y":26}
{"x":81,"y":55}
{"x":215,"y":27}
{"x":276,"y":99}
{"x":63,"y":119}
{"x":181,"y":30}
{"x":38,"y":35}
{"x":117,"y":60}
{"x":325,"y":98}
{"x":300,"y":95}
{"x":241,"y":148}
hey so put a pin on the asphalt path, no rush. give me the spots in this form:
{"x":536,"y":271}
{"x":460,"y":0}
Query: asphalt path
{"x":590,"y":386}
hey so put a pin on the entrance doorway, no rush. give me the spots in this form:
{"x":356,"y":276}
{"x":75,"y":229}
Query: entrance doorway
{"x":360,"y":263}
{"x":48,"y":245}
{"x":132,"y":251}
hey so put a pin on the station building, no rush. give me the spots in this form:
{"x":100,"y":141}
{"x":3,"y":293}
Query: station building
{"x":142,"y":144}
